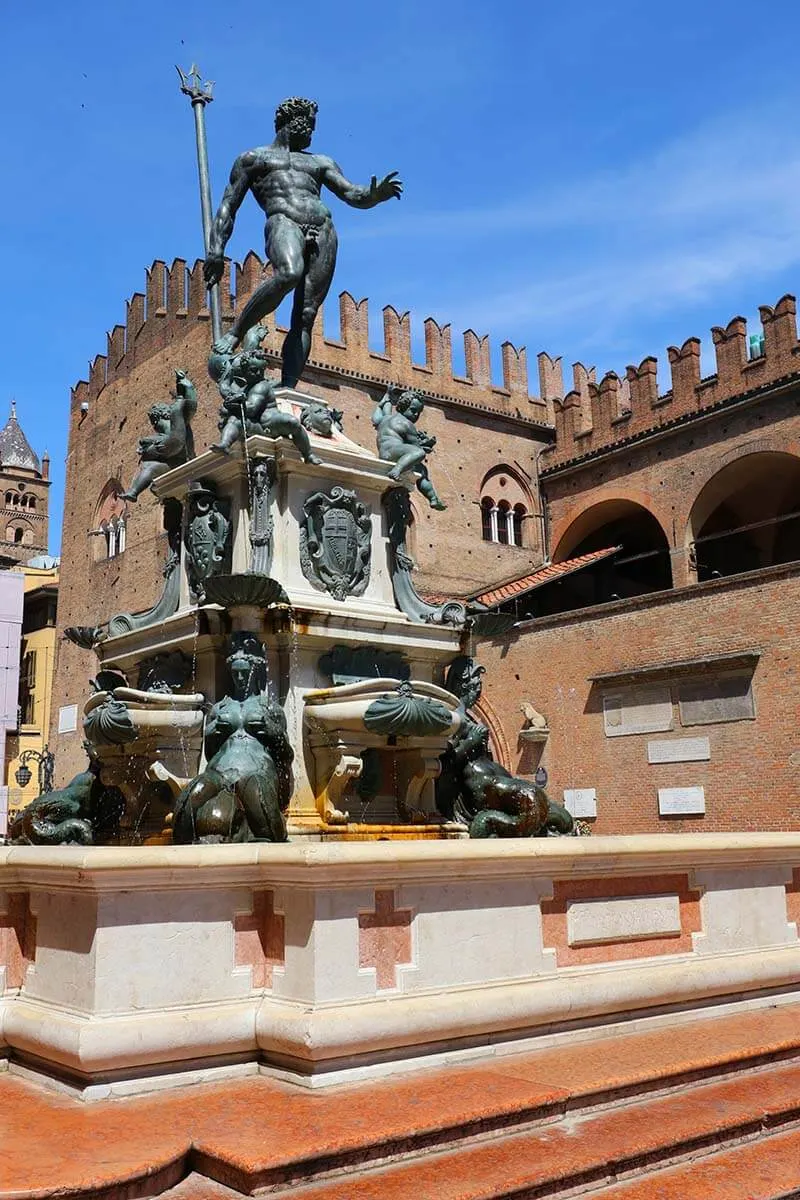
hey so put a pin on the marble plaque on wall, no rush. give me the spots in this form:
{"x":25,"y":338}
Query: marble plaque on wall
{"x":671,"y":750}
{"x":622,"y":919}
{"x":711,"y":701}
{"x":68,"y":718}
{"x":581,"y":802}
{"x":637,"y":710}
{"x":681,"y":801}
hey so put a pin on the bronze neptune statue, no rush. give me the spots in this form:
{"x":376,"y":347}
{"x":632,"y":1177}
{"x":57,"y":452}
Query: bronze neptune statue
{"x":301,"y":243}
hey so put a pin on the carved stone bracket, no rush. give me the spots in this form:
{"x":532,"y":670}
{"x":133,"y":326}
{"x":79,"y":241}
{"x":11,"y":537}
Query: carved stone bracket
{"x":429,"y":767}
{"x":346,"y":771}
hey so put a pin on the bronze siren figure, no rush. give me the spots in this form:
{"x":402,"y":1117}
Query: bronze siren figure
{"x":286,"y":181}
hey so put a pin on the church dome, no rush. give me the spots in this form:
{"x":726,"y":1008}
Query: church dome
{"x":15,"y":450}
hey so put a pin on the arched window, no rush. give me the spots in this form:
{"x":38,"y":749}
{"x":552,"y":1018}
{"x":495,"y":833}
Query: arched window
{"x":519,"y":516}
{"x":109,"y":525}
{"x":27,"y":537}
{"x":31,"y":501}
{"x":487,"y":509}
{"x":503,"y":518}
{"x":9,"y":533}
{"x":18,"y":534}
{"x":505,"y":504}
{"x":9,"y":499}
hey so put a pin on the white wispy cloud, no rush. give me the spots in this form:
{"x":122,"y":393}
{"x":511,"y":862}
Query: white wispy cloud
{"x":674,"y":228}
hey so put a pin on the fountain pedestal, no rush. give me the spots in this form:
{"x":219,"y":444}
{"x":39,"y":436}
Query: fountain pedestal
{"x":299,"y":554}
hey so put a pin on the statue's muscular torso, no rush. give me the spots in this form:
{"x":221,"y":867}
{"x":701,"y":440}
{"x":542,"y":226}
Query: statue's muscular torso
{"x":288,"y":182}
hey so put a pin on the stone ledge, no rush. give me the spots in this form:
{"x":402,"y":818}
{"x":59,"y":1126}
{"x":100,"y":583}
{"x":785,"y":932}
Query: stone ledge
{"x":166,"y":868}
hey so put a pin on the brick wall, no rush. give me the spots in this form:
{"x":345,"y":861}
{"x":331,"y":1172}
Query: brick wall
{"x":751,"y":780}
{"x":667,"y":472}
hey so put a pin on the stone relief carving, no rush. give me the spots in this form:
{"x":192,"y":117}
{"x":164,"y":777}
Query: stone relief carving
{"x":261,"y":523}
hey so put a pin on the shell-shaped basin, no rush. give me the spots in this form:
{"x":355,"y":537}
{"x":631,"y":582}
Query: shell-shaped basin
{"x":386,"y":707}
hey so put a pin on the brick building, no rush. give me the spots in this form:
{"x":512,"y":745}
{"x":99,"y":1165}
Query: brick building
{"x":647,"y":543}
{"x":24,"y":488}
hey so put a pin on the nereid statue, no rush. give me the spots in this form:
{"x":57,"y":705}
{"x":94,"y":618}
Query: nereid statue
{"x":171,"y":442}
{"x":245,"y":789}
{"x":399,"y":441}
{"x":301,"y":242}
{"x":249,"y":403}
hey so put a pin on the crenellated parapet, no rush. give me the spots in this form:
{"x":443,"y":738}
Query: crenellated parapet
{"x":593,"y":417}
{"x":174,"y":299}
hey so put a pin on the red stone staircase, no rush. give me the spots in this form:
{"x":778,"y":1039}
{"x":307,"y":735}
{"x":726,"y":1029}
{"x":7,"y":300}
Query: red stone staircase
{"x":705,"y":1108}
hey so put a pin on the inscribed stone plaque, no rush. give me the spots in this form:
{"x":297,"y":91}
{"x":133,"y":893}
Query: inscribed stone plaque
{"x":681,"y":801}
{"x":671,"y":750}
{"x":581,"y":802}
{"x":68,"y":718}
{"x":708,"y":701}
{"x":637,"y":710}
{"x":622,"y":919}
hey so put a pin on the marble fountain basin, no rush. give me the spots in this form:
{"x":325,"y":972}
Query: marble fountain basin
{"x":385,"y":707}
{"x":150,"y":713}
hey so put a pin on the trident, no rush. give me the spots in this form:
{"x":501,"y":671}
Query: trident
{"x":200,"y":95}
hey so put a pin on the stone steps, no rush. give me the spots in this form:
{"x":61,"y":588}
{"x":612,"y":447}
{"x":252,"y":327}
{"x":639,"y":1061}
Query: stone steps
{"x":587,"y":1151}
{"x":580,"y":1111}
{"x":766,"y":1169}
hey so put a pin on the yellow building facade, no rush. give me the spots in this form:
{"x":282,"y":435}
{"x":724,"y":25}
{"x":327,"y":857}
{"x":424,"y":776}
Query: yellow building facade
{"x":37,"y":666}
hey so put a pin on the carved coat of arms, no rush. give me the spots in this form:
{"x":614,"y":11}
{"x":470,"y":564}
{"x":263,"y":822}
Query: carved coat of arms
{"x":335,"y":542}
{"x":206,"y":536}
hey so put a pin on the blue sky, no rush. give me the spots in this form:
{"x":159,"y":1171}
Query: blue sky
{"x":596,"y":179}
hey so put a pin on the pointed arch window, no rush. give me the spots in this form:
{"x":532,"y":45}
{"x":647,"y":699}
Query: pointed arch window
{"x":505,"y":506}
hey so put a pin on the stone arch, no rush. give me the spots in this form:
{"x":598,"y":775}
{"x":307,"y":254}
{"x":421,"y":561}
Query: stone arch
{"x":507,"y":505}
{"x":741,"y":518}
{"x":644,"y":561}
{"x":20,"y":533}
{"x":498,"y":742}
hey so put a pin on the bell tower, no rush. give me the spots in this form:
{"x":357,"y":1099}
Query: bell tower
{"x":24,"y":496}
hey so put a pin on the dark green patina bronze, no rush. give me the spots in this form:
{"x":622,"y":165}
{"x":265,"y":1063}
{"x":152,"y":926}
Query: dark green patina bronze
{"x":402,"y":714}
{"x":262,"y":529}
{"x":249,"y":400}
{"x":242,"y":794}
{"x":206,"y":536}
{"x":171,"y":443}
{"x":336,"y":542}
{"x":399,"y":441}
{"x":286,"y":181}
{"x":349,"y":664}
{"x":85,"y":812}
{"x":318,"y":418}
{"x":473,"y":788}
{"x":397,"y":505}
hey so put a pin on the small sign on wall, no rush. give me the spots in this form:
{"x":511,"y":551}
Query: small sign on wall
{"x":68,"y":718}
{"x":669,"y":750}
{"x":581,"y":802}
{"x":637,"y":710}
{"x":681,"y":801}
